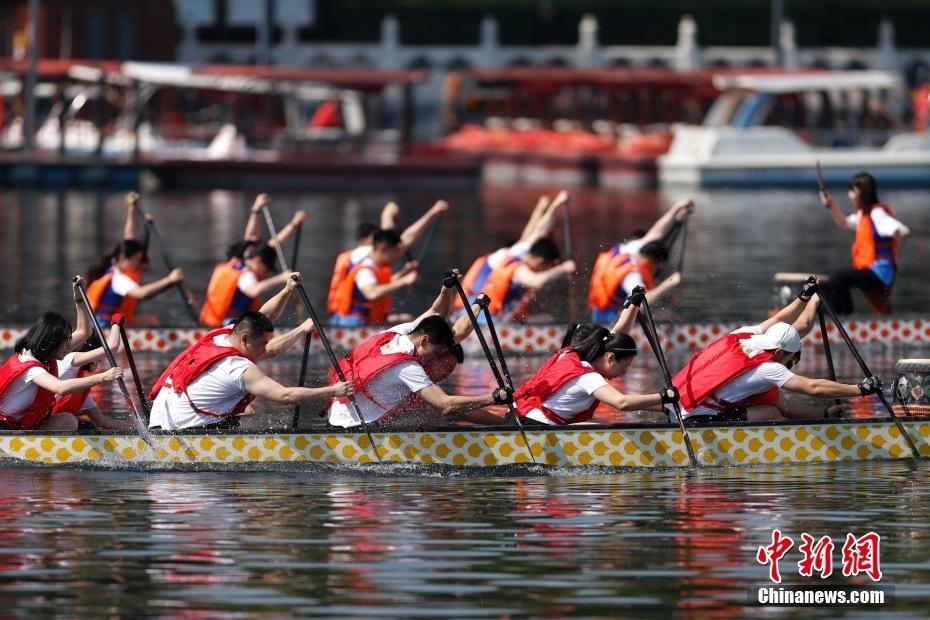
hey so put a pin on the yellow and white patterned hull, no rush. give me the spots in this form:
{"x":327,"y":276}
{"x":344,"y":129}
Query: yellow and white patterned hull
{"x":616,"y":447}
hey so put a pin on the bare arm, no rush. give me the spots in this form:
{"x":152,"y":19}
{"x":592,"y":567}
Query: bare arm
{"x":263,"y":386}
{"x":821,"y":388}
{"x":463,"y":326}
{"x":82,"y":326}
{"x":145,"y":291}
{"x":608,"y":394}
{"x":389,"y":216}
{"x":276,"y":305}
{"x":663,"y":225}
{"x":541,"y":205}
{"x":789,"y":314}
{"x":663,"y":287}
{"x":131,"y":226}
{"x":451,"y":404}
{"x":94,"y":355}
{"x":280,"y":344}
{"x":838,"y":216}
{"x":263,"y":286}
{"x":53,"y":384}
{"x":253,"y":226}
{"x":379,"y":291}
{"x":537,"y":280}
{"x":805,"y":323}
{"x":416,"y":230}
{"x":546,"y":222}
{"x":626,"y":320}
{"x":289,"y":229}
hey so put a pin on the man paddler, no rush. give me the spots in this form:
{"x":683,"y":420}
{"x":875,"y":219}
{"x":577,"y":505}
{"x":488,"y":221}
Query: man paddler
{"x":743,"y":375}
{"x":626,"y":265}
{"x":395,"y":372}
{"x":215,"y":380}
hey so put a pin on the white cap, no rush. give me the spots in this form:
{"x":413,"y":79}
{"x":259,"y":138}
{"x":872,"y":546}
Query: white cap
{"x":778,"y":336}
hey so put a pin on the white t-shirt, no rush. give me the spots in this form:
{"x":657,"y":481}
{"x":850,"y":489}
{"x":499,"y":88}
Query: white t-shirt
{"x":21,"y":392}
{"x":67,"y":370}
{"x":389,"y":388}
{"x":246,"y":280}
{"x":634,"y":278}
{"x":121,"y":283}
{"x":574,"y":397}
{"x":753,"y":381}
{"x":517,"y":250}
{"x":217,"y":390}
{"x":359,"y":254}
{"x":366,"y":277}
{"x":885,"y":225}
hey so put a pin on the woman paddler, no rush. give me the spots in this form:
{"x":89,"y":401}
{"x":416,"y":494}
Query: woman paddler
{"x":874,"y":251}
{"x":29,"y":380}
{"x":573,"y":382}
{"x":116,"y":281}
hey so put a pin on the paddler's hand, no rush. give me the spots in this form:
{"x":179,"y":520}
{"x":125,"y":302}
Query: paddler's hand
{"x":410,"y":265}
{"x":569,"y":267}
{"x":409,"y":279}
{"x":132,"y":199}
{"x":826,"y":199}
{"x":635,"y":298}
{"x":176,"y":276}
{"x":674,"y":279}
{"x":502,"y":396}
{"x":870,"y":385}
{"x":262,"y":200}
{"x":292,"y":280}
{"x":343,"y":388}
{"x":298,"y":219}
{"x":482,"y":301}
{"x":440,"y":207}
{"x":111,"y":374}
{"x":452,"y":277}
{"x":809,"y":289}
{"x":561,"y":198}
{"x":76,"y":283}
{"x":669,"y":395}
{"x":683,"y":208}
{"x":391,"y":211}
{"x":307,"y":327}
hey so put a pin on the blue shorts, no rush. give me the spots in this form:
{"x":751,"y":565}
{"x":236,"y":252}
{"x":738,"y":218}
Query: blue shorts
{"x":347,"y":321}
{"x":604,"y":317}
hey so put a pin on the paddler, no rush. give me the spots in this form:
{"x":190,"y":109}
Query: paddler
{"x":878,"y":238}
{"x":29,"y":379}
{"x":116,"y":281}
{"x":395,"y":372}
{"x":215,"y":380}
{"x":743,"y":375}
{"x":363,"y":280}
{"x":626,"y":265}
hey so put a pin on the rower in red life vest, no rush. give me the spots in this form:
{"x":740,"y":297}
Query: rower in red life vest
{"x":394,"y":372}
{"x":741,"y":376}
{"x":539,"y":226}
{"x":626,"y":265}
{"x":116,"y":281}
{"x":78,"y":365}
{"x":348,"y":303}
{"x":568,"y":388}
{"x":29,"y":379}
{"x":238,"y":284}
{"x":874,"y":252}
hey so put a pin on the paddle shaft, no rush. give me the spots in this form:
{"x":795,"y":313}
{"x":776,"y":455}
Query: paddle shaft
{"x":139,"y":422}
{"x":649,"y":326}
{"x":135,"y":373}
{"x":170,"y":265}
{"x":487,"y":353}
{"x":826,"y":347}
{"x":820,"y":184}
{"x":825,"y":305}
{"x":319,"y":329}
{"x":302,"y":380}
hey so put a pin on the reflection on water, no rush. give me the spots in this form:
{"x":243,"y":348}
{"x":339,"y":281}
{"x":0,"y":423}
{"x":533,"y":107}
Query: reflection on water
{"x":408,"y":545}
{"x":737,"y":240}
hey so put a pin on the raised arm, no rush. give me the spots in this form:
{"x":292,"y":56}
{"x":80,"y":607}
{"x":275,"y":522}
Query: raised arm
{"x":253,"y":226}
{"x":663,"y":287}
{"x":790,"y":313}
{"x":276,"y":305}
{"x":539,"y":279}
{"x":546,"y":222}
{"x":627,"y":318}
{"x":390,"y":214}
{"x":94,"y":355}
{"x":839,"y":218}
{"x":82,"y":326}
{"x":263,"y":386}
{"x":131,"y":225}
{"x":442,"y":305}
{"x":280,"y":344}
{"x":418,"y":228}
{"x":541,"y":205}
{"x":289,"y":229}
{"x":678,"y":213}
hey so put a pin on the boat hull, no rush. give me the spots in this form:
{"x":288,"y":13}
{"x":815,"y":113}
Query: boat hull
{"x":624,"y":447}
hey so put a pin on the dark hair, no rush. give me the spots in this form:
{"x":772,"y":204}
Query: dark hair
{"x":545,"y":249}
{"x":868,"y":188}
{"x":124,"y":249}
{"x":458,"y":352}
{"x":654,"y":250}
{"x":240,"y":248}
{"x":387,"y":237}
{"x":638,"y":233}
{"x":253,"y":323}
{"x":437,"y":330}
{"x":577,"y":332}
{"x":264,"y":253}
{"x":45,"y":337}
{"x":365,"y":230}
{"x":601,"y":341}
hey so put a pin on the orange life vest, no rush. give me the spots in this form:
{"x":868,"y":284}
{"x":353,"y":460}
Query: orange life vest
{"x":474,"y":280}
{"x":221,"y":293}
{"x":105,"y":302}
{"x":716,"y":365}
{"x":558,"y":370}
{"x":340,"y":271}
{"x":351,"y":302}
{"x":869,"y":246}
{"x":610,"y":270}
{"x":40,"y":408}
{"x":507,"y":295}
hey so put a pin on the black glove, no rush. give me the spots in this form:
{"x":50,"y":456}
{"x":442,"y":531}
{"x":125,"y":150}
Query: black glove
{"x":451,"y":277}
{"x":635,"y":298}
{"x":870,"y":385}
{"x":808,"y":289}
{"x":670,"y":395}
{"x":483,"y":301}
{"x":503,"y":396}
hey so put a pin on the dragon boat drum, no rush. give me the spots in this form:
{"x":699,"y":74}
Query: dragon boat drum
{"x":912,"y":387}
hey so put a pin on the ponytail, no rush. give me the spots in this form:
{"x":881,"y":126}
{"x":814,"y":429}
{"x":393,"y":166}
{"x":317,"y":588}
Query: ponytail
{"x":576,"y":333}
{"x":600,"y":341}
{"x":123,"y":249}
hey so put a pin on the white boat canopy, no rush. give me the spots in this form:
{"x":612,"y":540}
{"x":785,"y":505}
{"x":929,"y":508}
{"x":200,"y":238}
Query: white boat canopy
{"x":804,"y":82}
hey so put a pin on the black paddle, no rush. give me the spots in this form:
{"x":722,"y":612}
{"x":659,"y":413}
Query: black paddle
{"x":120,"y":321}
{"x":482,"y":300}
{"x":169,"y":264}
{"x":826,"y":347}
{"x":302,"y":380}
{"x":141,"y":428}
{"x":825,"y":305}
{"x":319,"y":329}
{"x":649,"y":326}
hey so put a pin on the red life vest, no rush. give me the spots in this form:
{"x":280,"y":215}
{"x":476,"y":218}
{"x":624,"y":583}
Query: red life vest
{"x":105,"y":302}
{"x":192,"y":363}
{"x":351,"y":302}
{"x":556,"y":372}
{"x":221,"y":292}
{"x":869,"y":246}
{"x":364,"y":364}
{"x":716,"y":365}
{"x":610,"y":270}
{"x":40,"y":408}
{"x":72,"y":403}
{"x":507,"y":295}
